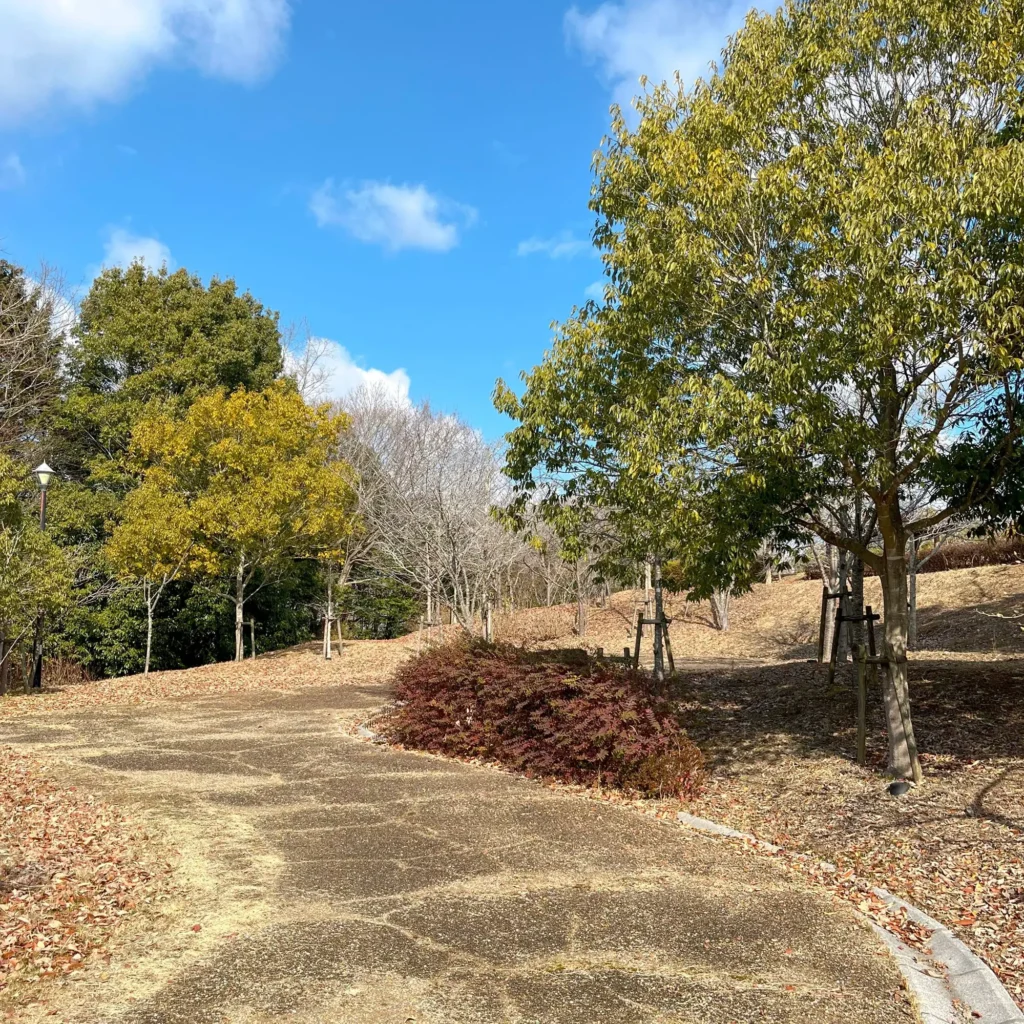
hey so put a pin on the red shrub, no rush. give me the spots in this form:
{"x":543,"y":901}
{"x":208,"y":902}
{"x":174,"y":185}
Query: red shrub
{"x":578,"y":723}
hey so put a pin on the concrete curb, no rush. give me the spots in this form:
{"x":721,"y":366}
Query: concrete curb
{"x":947,"y":985}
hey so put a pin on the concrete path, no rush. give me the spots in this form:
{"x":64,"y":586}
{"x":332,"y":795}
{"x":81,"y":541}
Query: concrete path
{"x":339,"y":882}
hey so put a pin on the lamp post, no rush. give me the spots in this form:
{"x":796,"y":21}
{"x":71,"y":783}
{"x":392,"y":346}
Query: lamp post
{"x":44,"y":475}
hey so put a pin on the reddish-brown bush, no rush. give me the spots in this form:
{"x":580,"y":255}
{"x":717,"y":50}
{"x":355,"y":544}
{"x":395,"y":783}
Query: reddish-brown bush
{"x":581,"y":723}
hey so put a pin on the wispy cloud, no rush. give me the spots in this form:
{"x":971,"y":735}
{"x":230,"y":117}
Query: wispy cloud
{"x":123,"y":248}
{"x":12,"y":171}
{"x":656,"y":38}
{"x":563,"y":246}
{"x":393,"y":216}
{"x":595,"y":291}
{"x":81,"y":53}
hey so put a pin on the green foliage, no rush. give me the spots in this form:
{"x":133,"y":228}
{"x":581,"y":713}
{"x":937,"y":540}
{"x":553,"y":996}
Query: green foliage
{"x":254,"y":478}
{"x":379,"y":609}
{"x":983,"y":470}
{"x":816,"y":263}
{"x":149,"y":337}
{"x":35,"y":574}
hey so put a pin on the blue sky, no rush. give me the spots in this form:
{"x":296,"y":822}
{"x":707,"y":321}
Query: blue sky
{"x":409,"y":179}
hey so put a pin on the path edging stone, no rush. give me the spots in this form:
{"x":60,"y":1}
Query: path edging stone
{"x":964,"y":977}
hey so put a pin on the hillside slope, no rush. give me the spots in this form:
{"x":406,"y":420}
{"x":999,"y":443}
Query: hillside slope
{"x":962,"y":612}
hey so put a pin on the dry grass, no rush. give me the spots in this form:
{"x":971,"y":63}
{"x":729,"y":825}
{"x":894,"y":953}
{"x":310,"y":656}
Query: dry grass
{"x":361,"y":661}
{"x":958,"y":611}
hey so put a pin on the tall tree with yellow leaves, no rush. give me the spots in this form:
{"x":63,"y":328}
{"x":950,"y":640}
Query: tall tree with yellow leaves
{"x":257,"y":479}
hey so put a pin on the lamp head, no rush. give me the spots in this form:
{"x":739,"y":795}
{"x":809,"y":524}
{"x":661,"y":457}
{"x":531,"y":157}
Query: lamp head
{"x":44,"y":475}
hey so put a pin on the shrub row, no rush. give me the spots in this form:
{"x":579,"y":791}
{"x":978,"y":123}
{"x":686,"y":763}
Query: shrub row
{"x":958,"y":554}
{"x":966,"y":554}
{"x":585,"y":723}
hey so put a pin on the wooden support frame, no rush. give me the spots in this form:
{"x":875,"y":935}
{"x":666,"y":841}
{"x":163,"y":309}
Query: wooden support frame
{"x":869,"y":617}
{"x":868,"y":661}
{"x":665,"y":622}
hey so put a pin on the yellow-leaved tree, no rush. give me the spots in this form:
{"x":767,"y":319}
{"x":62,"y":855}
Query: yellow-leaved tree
{"x":242,"y":484}
{"x":153,"y":544}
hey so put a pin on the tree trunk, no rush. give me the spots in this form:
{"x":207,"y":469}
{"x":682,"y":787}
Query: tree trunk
{"x":581,"y":616}
{"x":329,"y":618}
{"x":647,"y":589}
{"x":828,"y":581}
{"x":659,"y":622}
{"x":856,"y":608}
{"x":581,"y":604}
{"x":903,"y":760}
{"x":239,"y":610}
{"x":843,"y":605}
{"x":148,"y":591}
{"x":912,"y":610}
{"x":5,"y":666}
{"x":720,"y":608}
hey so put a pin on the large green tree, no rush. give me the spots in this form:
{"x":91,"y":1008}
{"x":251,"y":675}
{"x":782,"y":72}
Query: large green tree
{"x":148,"y":338}
{"x":147,"y":343}
{"x":818,"y":255}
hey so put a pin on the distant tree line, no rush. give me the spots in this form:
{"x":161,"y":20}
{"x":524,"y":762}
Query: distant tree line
{"x":205,"y":492}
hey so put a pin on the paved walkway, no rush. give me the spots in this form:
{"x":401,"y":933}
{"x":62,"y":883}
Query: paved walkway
{"x":339,"y":882}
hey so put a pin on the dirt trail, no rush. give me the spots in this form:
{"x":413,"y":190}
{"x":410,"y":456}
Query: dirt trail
{"x":334,"y":881}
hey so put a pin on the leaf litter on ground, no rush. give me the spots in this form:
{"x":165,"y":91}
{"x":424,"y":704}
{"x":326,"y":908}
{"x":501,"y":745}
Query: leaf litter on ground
{"x":71,"y":870}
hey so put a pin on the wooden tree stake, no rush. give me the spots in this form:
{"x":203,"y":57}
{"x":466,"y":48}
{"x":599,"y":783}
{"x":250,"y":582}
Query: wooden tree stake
{"x":862,"y":704}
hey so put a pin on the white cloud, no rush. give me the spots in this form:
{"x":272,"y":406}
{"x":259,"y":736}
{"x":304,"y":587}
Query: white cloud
{"x":561,"y":247}
{"x":394,"y":216}
{"x":595,"y":291}
{"x":656,"y":38}
{"x":81,"y":52}
{"x":12,"y":171}
{"x":123,"y":248}
{"x":336,"y":374}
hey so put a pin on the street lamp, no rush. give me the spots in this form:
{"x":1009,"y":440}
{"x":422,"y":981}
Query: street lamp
{"x":44,"y":475}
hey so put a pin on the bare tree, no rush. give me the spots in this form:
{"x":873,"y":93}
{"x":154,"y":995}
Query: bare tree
{"x":427,"y":484}
{"x":307,"y":365}
{"x":33,"y":322}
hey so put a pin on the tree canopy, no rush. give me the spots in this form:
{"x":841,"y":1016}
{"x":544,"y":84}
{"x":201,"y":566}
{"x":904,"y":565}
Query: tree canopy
{"x":149,"y":337}
{"x":253,"y":479}
{"x":815,"y":273}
